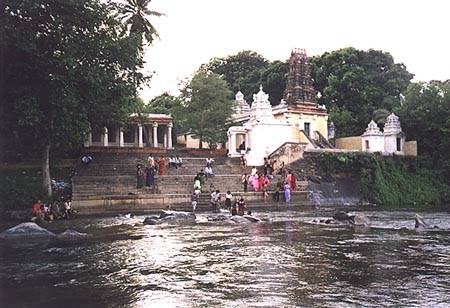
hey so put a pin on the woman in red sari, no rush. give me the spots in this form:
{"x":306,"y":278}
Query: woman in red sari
{"x":162,"y":165}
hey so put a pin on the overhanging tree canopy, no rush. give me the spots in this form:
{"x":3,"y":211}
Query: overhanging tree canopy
{"x":66,"y":68}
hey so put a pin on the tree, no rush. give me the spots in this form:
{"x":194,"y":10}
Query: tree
{"x":207,"y":106}
{"x":242,"y":71}
{"x":425,"y":117}
{"x":67,"y":70}
{"x":169,"y":104}
{"x":273,"y":79}
{"x":358,"y":82}
{"x":136,"y":18}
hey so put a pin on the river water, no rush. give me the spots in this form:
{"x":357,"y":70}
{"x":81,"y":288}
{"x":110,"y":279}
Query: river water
{"x":281,"y":262}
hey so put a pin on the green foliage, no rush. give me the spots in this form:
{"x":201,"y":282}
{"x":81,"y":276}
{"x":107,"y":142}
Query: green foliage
{"x":247,"y":70}
{"x":207,"y":106}
{"x":390,"y":181}
{"x":135,"y":15}
{"x":66,"y":68}
{"x":356,"y":83}
{"x":425,"y":116}
{"x":20,"y":187}
{"x":169,"y":104}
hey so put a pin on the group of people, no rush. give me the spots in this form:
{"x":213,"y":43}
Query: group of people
{"x":61,"y":209}
{"x":146,"y":174}
{"x":175,"y":162}
{"x":236,"y":206}
{"x":260,"y":183}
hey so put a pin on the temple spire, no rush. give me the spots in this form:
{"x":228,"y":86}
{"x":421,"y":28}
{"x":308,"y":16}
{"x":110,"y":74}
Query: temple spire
{"x":299,"y":88}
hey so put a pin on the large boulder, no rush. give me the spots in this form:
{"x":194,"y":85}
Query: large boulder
{"x":69,"y":235}
{"x":171,"y":217}
{"x":151,"y":220}
{"x":27,"y":230}
{"x":342,"y":216}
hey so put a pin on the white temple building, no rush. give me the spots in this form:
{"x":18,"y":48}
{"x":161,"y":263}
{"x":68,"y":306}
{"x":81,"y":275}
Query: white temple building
{"x":261,"y":134}
{"x":390,"y":141}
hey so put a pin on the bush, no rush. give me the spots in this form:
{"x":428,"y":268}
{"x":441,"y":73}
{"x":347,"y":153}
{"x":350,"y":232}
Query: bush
{"x":390,"y":181}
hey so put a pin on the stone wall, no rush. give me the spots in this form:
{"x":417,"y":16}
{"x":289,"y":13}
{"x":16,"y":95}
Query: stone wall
{"x":349,"y":143}
{"x":410,"y":148}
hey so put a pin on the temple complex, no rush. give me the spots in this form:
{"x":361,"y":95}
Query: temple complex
{"x":296,"y":119}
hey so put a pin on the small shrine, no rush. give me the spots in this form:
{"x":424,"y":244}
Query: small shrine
{"x":390,"y":141}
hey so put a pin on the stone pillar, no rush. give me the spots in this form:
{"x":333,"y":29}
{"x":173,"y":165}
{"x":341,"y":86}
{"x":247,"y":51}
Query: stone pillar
{"x":165,"y":138}
{"x":105,"y":137}
{"x":247,"y":141}
{"x":155,"y":135}
{"x":88,"y":141}
{"x":140,"y":139}
{"x":121,"y":142}
{"x":169,"y":135}
{"x":232,"y":146}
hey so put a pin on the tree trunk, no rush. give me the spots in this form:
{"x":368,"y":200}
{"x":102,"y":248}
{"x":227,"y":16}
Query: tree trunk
{"x":46,"y":179}
{"x":200,"y":142}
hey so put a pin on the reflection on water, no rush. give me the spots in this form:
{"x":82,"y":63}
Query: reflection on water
{"x":282,"y":262}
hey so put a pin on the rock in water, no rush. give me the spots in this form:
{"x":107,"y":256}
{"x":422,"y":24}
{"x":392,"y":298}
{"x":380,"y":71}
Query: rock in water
{"x":251,"y":218}
{"x":72,"y":235}
{"x":342,"y":216}
{"x":239,"y":219}
{"x":171,"y":217}
{"x":151,"y":220}
{"x":27,"y":230}
{"x":177,"y":215}
{"x":360,"y":219}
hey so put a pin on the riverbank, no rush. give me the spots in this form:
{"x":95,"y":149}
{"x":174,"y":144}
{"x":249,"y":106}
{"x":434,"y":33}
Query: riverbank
{"x":391,"y":181}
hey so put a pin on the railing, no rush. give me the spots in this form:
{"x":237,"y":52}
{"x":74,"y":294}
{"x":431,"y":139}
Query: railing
{"x":289,"y":152}
{"x":322,"y":141}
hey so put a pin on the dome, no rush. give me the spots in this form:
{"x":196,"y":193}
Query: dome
{"x":392,"y":125}
{"x":372,"y":129}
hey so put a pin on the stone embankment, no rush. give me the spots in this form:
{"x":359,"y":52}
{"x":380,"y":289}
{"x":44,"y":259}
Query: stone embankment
{"x":108,"y":185}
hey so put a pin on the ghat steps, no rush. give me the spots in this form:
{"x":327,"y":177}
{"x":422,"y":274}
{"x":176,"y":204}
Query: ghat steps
{"x":109,"y":182}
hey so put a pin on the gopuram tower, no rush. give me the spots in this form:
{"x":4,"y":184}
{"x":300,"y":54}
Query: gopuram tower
{"x":299,"y":105}
{"x":299,"y":88}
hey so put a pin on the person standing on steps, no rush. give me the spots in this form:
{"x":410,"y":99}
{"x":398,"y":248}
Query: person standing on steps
{"x":290,"y":178}
{"x":228,"y":198}
{"x":197,"y":183}
{"x":215,"y":201}
{"x":162,"y":165}
{"x":140,"y":176}
{"x":241,"y":207}
{"x":194,"y":199}
{"x":278,"y":190}
{"x":245,"y":181}
{"x":150,"y":178}
{"x":265,"y":187}
{"x":287,"y":193}
{"x":151,"y":161}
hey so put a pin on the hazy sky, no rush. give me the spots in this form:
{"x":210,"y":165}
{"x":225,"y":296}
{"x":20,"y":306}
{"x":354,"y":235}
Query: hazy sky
{"x":416,"y":33}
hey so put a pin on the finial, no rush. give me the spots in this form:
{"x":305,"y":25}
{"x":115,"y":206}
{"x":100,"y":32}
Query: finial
{"x":260,"y":87}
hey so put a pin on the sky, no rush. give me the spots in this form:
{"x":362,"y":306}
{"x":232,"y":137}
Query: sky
{"x":414,"y":32}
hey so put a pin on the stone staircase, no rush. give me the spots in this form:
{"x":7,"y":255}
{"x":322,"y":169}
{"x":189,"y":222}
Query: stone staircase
{"x":109,"y":184}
